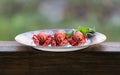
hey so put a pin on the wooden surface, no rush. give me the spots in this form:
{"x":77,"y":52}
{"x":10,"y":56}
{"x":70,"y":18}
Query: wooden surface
{"x":101,"y":59}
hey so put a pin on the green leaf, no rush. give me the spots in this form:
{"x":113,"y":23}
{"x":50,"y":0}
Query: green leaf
{"x":85,"y":30}
{"x":70,"y":34}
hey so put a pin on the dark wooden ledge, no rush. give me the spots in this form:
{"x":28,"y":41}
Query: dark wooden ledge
{"x":101,"y":59}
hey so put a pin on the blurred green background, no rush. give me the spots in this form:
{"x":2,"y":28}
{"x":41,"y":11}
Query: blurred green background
{"x":18,"y":16}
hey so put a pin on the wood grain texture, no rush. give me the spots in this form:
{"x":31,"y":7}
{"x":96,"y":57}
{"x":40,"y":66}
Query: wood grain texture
{"x":95,"y":60}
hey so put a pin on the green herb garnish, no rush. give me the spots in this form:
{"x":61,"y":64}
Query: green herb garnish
{"x":85,"y":30}
{"x":70,"y":34}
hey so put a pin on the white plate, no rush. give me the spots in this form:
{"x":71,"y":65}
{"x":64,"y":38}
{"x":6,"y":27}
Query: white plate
{"x":26,"y":39}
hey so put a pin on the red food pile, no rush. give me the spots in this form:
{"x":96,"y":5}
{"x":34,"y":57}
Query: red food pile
{"x":78,"y":39}
{"x":59,"y":39}
{"x":42,"y":39}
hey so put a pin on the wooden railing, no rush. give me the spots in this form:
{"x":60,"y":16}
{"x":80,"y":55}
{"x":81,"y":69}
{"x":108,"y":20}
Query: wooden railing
{"x":101,"y":59}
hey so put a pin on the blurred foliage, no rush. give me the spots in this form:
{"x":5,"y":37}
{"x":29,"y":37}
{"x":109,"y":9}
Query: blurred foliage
{"x":18,"y":16}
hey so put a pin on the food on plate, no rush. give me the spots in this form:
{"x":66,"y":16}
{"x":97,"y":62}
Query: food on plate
{"x":35,"y":39}
{"x":77,"y":37}
{"x":47,"y":41}
{"x":42,"y":39}
{"x":60,"y":38}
